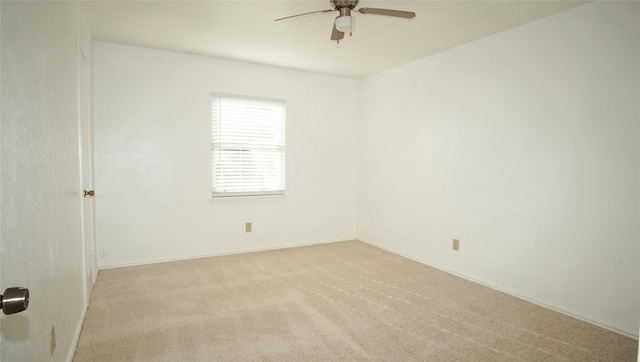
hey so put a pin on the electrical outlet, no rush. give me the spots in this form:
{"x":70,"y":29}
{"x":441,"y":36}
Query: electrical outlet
{"x":247,"y":227}
{"x":52,"y":340}
{"x":456,"y":244}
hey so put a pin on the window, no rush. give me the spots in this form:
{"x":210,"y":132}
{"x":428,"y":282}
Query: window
{"x":247,"y":146}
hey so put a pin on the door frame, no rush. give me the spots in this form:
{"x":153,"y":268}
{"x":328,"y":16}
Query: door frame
{"x":86,"y":172}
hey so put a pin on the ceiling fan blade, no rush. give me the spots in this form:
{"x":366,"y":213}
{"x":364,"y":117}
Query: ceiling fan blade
{"x":309,"y":13}
{"x":388,"y":12}
{"x":336,"y":35}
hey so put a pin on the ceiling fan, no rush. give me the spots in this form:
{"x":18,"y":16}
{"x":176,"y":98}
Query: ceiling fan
{"x":345,"y":22}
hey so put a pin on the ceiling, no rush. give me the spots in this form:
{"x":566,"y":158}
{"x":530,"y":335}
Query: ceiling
{"x":246,"y":31}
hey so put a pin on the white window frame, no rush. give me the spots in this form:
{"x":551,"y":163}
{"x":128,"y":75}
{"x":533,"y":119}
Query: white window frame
{"x":248,"y":139}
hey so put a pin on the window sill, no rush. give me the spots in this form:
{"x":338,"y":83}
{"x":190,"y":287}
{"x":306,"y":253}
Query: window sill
{"x":248,"y":198}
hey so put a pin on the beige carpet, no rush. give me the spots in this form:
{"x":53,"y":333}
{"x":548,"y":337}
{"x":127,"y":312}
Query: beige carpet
{"x":331,"y":302}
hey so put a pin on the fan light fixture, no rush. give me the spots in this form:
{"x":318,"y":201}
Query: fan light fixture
{"x":346,"y":24}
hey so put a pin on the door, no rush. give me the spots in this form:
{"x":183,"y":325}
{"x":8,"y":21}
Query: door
{"x":87,"y":207}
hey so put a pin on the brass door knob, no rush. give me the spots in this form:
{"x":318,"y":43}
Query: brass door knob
{"x":89,"y":193}
{"x":14,"y":300}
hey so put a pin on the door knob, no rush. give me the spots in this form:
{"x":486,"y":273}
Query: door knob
{"x":89,"y":193}
{"x":14,"y":300}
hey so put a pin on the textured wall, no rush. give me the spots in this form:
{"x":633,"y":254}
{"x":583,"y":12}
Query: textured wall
{"x":152,"y":136}
{"x":524,"y":146}
{"x":40,"y":220}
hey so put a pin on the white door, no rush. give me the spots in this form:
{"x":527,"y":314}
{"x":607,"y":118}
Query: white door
{"x":85,"y":134}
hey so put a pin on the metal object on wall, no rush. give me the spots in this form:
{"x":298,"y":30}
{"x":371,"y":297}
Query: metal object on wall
{"x":89,"y":193}
{"x":14,"y":300}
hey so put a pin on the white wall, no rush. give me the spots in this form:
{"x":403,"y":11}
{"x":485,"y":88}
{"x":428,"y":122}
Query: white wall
{"x":525,"y":146}
{"x":152,"y":139}
{"x":40,"y":221}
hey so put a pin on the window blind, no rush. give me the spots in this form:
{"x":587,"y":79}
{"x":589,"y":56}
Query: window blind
{"x":247,"y":147}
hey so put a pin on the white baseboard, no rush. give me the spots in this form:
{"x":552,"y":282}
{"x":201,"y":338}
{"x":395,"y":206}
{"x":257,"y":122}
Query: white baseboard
{"x":630,"y":334}
{"x":231,"y":252}
{"x":76,"y":336}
